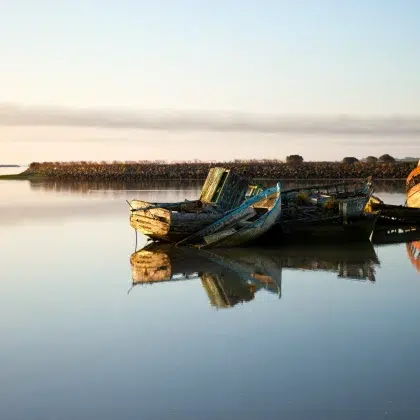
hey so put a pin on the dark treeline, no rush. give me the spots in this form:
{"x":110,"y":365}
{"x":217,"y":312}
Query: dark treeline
{"x":260,"y":169}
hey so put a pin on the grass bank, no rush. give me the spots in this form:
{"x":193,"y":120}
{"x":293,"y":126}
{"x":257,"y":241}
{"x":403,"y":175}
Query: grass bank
{"x":22,"y":176}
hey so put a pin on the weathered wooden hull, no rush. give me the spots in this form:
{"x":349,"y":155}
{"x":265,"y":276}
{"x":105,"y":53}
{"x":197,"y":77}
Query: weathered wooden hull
{"x":167,"y":225}
{"x":413,"y":197}
{"x":413,"y":188}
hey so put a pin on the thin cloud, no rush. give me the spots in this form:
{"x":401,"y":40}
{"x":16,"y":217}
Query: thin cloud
{"x":15,"y":115}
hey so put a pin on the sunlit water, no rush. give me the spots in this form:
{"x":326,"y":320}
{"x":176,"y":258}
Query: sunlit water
{"x":90,"y":331}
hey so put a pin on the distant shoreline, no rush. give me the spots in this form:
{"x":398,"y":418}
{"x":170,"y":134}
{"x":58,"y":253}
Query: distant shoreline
{"x":258,"y":170}
{"x":10,"y":166}
{"x":19,"y":177}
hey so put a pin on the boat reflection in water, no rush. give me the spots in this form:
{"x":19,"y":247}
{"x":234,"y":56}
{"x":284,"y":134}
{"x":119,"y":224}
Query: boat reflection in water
{"x":401,"y":234}
{"x":413,"y":251}
{"x":232,"y":276}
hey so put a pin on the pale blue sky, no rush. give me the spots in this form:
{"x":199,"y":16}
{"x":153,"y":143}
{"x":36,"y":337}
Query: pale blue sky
{"x":278,"y":57}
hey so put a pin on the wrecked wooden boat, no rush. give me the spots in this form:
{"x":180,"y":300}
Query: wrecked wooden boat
{"x":413,"y":188}
{"x":243,"y":225}
{"x":391,"y":214}
{"x":231,"y":211}
{"x":333,"y":212}
{"x":400,"y":215}
{"x":352,"y":195}
{"x":223,"y":191}
{"x":338,"y":189}
{"x":353,"y":192}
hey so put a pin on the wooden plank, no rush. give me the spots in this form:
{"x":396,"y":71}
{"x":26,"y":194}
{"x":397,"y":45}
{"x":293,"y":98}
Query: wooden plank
{"x":157,"y":213}
{"x":224,"y":188}
{"x":219,"y":235}
{"x":211,"y":183}
{"x":179,"y":206}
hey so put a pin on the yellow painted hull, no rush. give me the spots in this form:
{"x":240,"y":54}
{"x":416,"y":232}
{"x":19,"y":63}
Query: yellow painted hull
{"x":369,"y":205}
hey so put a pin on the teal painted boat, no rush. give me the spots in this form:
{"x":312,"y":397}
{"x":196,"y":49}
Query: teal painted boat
{"x":267,"y":207}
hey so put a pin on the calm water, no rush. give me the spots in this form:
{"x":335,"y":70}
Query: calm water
{"x":92,"y":330}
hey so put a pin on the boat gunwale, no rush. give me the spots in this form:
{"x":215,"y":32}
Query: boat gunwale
{"x":262,"y":219}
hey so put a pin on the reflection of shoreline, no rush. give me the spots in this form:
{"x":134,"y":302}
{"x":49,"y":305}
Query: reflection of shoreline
{"x":121,"y":187}
{"x":117,"y":188}
{"x":232,"y":276}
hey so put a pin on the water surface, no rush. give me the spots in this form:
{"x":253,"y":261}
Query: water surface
{"x":92,"y":330}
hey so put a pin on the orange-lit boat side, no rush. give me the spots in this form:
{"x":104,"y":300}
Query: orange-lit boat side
{"x":413,"y":187}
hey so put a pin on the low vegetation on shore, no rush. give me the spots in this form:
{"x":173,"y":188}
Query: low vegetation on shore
{"x":259,"y":169}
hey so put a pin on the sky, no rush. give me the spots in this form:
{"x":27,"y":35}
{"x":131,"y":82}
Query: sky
{"x":297,"y":60}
